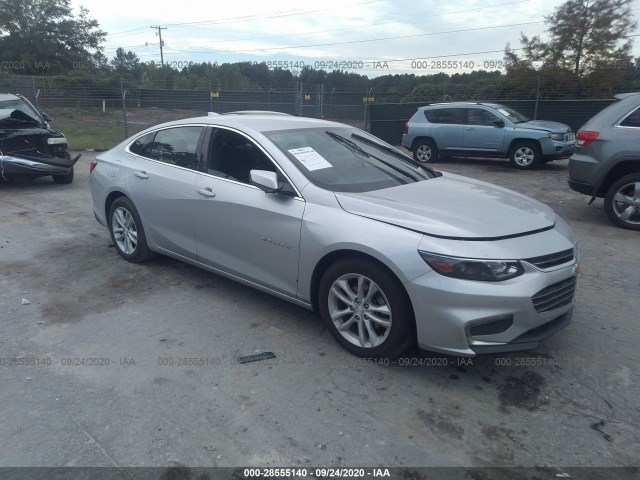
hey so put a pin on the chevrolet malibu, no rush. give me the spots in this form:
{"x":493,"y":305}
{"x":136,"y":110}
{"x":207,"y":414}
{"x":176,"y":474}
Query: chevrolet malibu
{"x":324,"y":215}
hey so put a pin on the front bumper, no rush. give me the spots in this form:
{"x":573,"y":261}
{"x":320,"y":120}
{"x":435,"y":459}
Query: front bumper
{"x":446,"y":310}
{"x":556,"y":149}
{"x":14,"y":165}
{"x":528,"y":340}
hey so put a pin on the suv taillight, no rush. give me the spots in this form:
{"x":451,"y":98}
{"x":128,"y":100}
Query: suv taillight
{"x":92,"y":165}
{"x":406,"y":128}
{"x":585,"y":137}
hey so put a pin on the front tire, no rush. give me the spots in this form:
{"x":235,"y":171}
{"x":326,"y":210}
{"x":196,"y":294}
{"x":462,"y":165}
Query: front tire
{"x":525,"y":155}
{"x":622,"y":203}
{"x":127,"y":233}
{"x":366,"y":309}
{"x":63,"y":179}
{"x":425,"y":151}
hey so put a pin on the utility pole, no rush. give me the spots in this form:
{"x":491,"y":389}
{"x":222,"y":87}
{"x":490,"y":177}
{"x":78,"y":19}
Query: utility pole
{"x":159,"y":28}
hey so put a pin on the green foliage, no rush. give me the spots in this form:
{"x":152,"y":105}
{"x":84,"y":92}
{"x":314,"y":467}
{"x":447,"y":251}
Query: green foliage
{"x":125,"y":61}
{"x":44,"y":37}
{"x":587,"y":53}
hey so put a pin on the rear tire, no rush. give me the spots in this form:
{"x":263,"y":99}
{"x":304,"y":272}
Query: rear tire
{"x":622,"y":203}
{"x":127,"y":233}
{"x":366,"y":309}
{"x":425,"y":151}
{"x":63,"y":179}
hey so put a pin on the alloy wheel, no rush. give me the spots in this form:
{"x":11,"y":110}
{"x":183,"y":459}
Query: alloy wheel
{"x":125,"y":231}
{"x":360,"y":311}
{"x":524,"y":156}
{"x":423,"y":153}
{"x":626,"y":203}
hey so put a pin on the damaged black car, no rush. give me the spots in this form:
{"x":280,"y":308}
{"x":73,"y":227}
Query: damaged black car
{"x":28,"y":147}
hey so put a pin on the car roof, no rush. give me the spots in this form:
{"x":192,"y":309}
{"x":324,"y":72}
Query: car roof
{"x":462,"y":104}
{"x":8,"y":96}
{"x":614,"y":113}
{"x":261,"y":122}
{"x":621,"y":96}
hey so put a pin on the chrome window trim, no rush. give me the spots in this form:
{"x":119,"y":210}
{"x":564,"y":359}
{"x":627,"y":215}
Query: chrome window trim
{"x":299,"y":198}
{"x":617,"y":124}
{"x":126,"y":149}
{"x":205,"y":125}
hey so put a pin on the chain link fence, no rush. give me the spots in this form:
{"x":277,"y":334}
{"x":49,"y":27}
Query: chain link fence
{"x":98,"y":113}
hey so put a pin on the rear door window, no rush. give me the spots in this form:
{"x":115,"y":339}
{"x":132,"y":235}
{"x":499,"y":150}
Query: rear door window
{"x":175,"y":146}
{"x":480,"y":117}
{"x":455,"y":116}
{"x":141,"y":145}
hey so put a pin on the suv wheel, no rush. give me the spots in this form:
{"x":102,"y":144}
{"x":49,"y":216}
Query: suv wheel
{"x":525,"y":155}
{"x":622,"y":203}
{"x":425,"y":151}
{"x":366,"y":309}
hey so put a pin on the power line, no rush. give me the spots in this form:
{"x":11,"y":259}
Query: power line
{"x":293,"y":47}
{"x":263,"y":17}
{"x":361,"y":26}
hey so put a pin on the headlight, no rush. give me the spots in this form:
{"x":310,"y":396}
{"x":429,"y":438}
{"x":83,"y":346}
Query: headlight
{"x":56,"y":140}
{"x":559,"y":137}
{"x":471,"y":269}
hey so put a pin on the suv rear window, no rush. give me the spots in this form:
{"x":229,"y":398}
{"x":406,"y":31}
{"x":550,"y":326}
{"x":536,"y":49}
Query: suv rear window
{"x":432,"y":115}
{"x":632,"y":120}
{"x":448,"y":115}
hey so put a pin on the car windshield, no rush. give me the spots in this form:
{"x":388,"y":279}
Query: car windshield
{"x":347,"y":159}
{"x":19,"y":104}
{"x":511,"y":114}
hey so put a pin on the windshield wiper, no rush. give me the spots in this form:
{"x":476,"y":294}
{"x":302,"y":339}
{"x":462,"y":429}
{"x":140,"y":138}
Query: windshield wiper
{"x":367,"y":155}
{"x":397,"y":154}
{"x":388,"y":164}
{"x":347,"y":142}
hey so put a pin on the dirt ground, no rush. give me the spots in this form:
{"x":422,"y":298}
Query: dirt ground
{"x":116,"y":364}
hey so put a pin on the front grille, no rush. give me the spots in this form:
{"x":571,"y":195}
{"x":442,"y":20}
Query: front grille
{"x":570,"y":137}
{"x":553,"y":260}
{"x":555,"y":296}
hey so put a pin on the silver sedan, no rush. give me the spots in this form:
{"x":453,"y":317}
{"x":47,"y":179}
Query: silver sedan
{"x":389,"y":251}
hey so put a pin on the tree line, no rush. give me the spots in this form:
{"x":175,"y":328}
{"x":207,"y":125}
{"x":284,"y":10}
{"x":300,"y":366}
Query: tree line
{"x":585,"y":53}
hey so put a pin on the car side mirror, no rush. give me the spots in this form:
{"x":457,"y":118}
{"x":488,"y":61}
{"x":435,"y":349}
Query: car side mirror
{"x":498,"y":123}
{"x":46,"y":117}
{"x":265,"y":180}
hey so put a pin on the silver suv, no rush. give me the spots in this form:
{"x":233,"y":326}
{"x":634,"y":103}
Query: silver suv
{"x":485,"y":130}
{"x":607,"y":160}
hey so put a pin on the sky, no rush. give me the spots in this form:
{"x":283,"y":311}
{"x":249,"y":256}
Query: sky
{"x":370,"y":37}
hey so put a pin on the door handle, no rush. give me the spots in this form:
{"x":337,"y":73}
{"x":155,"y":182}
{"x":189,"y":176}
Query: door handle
{"x":141,"y":174}
{"x":471,"y":129}
{"x":206,"y":192}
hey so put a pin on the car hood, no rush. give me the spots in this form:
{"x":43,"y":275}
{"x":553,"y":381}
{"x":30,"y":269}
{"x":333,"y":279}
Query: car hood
{"x":16,"y":119}
{"x":545,"y":125}
{"x":454,"y":207}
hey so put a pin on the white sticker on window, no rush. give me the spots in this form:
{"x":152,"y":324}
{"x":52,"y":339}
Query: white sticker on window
{"x":311,"y":159}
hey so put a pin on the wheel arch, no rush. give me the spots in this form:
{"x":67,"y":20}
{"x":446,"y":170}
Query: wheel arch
{"x":332,"y":257}
{"x":515,"y":141}
{"x":620,"y":169}
{"x":422,"y":138}
{"x":109,"y":201}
